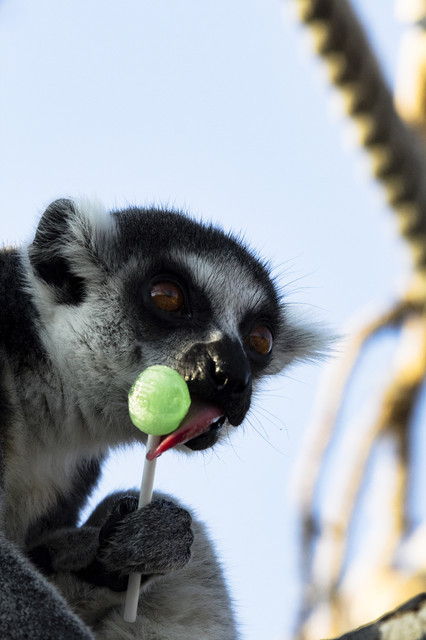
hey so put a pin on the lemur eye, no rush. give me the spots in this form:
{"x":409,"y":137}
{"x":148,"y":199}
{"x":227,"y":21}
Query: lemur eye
{"x":261,"y":340}
{"x":167,"y":296}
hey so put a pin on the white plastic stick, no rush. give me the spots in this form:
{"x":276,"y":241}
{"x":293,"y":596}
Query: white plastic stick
{"x":145,"y":497}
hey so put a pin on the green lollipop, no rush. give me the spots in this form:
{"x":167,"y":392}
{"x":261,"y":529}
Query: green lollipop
{"x":158,"y":400}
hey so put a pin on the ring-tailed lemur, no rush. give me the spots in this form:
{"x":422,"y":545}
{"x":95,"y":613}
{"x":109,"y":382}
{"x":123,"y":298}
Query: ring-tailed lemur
{"x":93,"y":300}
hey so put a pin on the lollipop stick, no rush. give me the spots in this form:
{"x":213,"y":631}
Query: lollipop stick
{"x":145,"y":496}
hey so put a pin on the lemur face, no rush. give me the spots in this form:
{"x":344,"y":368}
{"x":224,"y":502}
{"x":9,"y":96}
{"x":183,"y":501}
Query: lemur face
{"x":210,"y":306}
{"x":119,"y":292}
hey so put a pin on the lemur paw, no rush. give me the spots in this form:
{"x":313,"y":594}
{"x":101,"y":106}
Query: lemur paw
{"x":153,"y":540}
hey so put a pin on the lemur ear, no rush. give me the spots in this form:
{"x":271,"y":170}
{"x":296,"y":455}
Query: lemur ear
{"x":301,"y":339}
{"x":62,"y":253}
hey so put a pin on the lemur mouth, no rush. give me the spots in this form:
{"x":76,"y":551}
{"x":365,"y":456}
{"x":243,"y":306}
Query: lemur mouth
{"x":198,"y":430}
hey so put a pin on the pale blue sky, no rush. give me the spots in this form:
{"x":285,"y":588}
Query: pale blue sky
{"x":218,"y":108}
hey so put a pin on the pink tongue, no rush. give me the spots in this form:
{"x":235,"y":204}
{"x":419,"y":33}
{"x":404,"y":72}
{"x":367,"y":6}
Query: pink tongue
{"x":198,"y":420}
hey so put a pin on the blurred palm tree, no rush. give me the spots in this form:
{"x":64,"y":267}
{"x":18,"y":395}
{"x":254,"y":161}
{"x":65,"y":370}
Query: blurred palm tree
{"x":364,"y":544}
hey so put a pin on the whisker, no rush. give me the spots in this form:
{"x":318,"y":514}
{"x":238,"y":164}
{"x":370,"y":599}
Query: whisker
{"x":230,"y":442}
{"x":264,"y":438}
{"x":273,"y":419}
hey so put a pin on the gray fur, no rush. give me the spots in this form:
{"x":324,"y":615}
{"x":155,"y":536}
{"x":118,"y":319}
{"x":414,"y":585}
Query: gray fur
{"x":168,"y":551}
{"x":77,"y":326}
{"x":185,"y":582}
{"x":29,"y":606}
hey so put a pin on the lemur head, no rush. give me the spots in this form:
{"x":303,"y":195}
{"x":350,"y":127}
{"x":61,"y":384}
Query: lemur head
{"x":118,"y":292}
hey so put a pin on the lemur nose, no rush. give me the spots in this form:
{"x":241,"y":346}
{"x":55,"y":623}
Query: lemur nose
{"x":235,"y":381}
{"x":219,"y":372}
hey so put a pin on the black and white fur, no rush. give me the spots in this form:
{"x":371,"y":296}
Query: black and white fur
{"x":77,"y":326}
